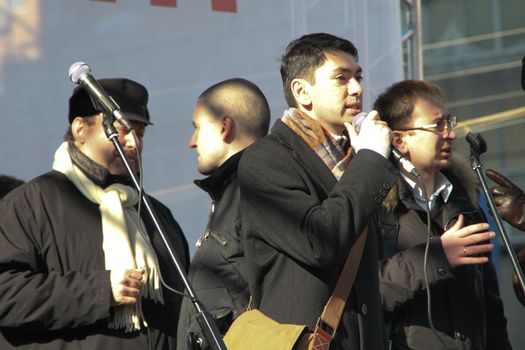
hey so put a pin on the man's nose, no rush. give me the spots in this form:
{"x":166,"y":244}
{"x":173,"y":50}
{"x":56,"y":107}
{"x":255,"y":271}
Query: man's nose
{"x":130,"y":140}
{"x":354,"y":87}
{"x":191,"y":143}
{"x":449,"y":133}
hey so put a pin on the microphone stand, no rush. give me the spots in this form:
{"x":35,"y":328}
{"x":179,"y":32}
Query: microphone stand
{"x":205,"y":319}
{"x":478,"y":146}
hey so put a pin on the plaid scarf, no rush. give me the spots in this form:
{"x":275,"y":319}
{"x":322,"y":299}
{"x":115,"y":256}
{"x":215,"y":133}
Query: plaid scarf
{"x":320,"y":141}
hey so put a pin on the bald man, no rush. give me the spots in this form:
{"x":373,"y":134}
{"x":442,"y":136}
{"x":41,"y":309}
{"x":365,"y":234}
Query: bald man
{"x":228,"y":117}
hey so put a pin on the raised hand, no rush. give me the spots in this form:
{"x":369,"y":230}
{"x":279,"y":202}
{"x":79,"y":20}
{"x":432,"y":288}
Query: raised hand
{"x":463,"y":244}
{"x":374,"y":134}
{"x":509,"y":199}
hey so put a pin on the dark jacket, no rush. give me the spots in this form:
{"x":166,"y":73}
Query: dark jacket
{"x":55,"y":291}
{"x":216,"y":270}
{"x":467,"y":311}
{"x":300,"y":222}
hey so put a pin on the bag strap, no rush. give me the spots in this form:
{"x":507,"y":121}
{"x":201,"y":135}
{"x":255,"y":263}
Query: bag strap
{"x":335,"y":306}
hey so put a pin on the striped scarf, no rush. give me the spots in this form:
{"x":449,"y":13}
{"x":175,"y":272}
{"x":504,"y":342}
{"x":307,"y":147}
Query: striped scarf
{"x":319,"y":140}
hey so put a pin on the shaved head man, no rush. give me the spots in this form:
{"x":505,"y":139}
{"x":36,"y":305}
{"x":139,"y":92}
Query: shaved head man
{"x":228,"y":117}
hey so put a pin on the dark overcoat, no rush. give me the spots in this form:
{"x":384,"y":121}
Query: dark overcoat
{"x":300,"y":222}
{"x":54,"y":289}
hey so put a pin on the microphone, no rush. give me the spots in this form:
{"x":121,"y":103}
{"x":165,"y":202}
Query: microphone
{"x":398,"y":157}
{"x":80,"y":73}
{"x":523,"y":73}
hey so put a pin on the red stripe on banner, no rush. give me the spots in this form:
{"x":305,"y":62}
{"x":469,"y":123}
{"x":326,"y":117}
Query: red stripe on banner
{"x":167,"y":3}
{"x":224,"y":5}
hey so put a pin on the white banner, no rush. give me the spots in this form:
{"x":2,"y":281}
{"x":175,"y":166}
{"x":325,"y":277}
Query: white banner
{"x":176,"y":49}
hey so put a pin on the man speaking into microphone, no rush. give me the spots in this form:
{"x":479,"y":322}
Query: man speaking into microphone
{"x":307,"y":193}
{"x":466,"y":311}
{"x":79,"y":267}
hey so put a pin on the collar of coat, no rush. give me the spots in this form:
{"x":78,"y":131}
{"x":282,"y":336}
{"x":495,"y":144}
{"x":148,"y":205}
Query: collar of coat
{"x":220,"y":178}
{"x":304,"y":155}
{"x":94,"y":171}
{"x":460,"y":174}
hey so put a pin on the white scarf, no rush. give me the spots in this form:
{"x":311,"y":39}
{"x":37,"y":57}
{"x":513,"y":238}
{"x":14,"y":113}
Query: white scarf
{"x":124,"y":244}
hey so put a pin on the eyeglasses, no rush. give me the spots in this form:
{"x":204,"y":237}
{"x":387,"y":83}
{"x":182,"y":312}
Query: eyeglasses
{"x":448,"y":122}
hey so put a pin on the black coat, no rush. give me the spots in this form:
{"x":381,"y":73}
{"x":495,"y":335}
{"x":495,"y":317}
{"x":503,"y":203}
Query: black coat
{"x":217,"y":268}
{"x":54,"y":289}
{"x":467,"y":311}
{"x":300,"y":223}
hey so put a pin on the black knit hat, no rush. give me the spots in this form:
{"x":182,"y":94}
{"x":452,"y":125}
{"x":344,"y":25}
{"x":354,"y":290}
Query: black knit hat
{"x":131,"y":97}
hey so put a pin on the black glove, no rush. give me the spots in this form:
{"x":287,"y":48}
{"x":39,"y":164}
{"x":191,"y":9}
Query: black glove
{"x":509,"y":199}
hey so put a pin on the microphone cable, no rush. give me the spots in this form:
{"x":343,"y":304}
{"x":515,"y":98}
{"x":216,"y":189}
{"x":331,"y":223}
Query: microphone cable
{"x":425,"y":260}
{"x":184,"y":294}
{"x":139,"y":208}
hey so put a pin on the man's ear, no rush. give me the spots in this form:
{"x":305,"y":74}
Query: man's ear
{"x":228,"y":129}
{"x":78,"y":130}
{"x":301,"y":91}
{"x":399,"y":142}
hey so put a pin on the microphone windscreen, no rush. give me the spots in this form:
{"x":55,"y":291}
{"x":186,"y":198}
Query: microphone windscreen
{"x":358,"y":119}
{"x":78,"y":70}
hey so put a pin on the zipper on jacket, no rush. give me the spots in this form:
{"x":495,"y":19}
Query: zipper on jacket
{"x":460,"y":340}
{"x":211,"y":234}
{"x":202,"y":238}
{"x":218,"y":238}
{"x":206,"y":234}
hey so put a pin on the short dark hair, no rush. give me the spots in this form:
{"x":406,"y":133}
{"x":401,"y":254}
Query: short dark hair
{"x":304,"y":55}
{"x":396,"y":105}
{"x":8,"y":183}
{"x":243,"y":101}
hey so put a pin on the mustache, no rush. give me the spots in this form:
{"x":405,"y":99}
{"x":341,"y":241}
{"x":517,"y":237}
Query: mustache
{"x":134,"y":156}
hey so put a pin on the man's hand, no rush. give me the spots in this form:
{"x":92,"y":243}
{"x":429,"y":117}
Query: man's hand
{"x":509,"y":199}
{"x":374,"y":134}
{"x":462,"y":244}
{"x":125,"y":286}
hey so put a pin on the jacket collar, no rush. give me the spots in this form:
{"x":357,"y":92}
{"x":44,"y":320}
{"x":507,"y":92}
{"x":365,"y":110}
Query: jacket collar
{"x":459,"y":173}
{"x":443,"y":188}
{"x":94,"y":171}
{"x":303,"y":154}
{"x":220,"y":178}
{"x":464,"y":194}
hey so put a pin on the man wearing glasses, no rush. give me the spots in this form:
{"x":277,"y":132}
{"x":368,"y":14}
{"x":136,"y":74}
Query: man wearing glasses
{"x":437,"y":208}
